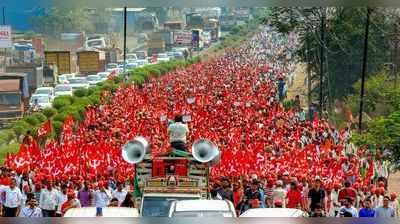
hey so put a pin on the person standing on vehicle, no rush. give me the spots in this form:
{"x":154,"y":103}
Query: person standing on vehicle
{"x":13,"y":200}
{"x":178,"y":132}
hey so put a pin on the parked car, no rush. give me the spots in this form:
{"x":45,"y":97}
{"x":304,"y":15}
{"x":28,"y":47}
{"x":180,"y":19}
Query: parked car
{"x":141,"y":55}
{"x":78,"y":82}
{"x":113,"y":212}
{"x":45,"y":90}
{"x":64,"y":78}
{"x":142,"y":62}
{"x":274,"y":212}
{"x":93,"y":79}
{"x":40,"y":101}
{"x":104,"y":75}
{"x":132,"y":57}
{"x":178,"y":55}
{"x":131,"y":65}
{"x":202,"y":208}
{"x":162,"y":57}
{"x":111,"y":66}
{"x":63,"y":90}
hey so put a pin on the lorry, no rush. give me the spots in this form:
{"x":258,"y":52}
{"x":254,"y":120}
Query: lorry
{"x":33,"y":72}
{"x":14,"y":96}
{"x":177,"y":175}
{"x":62,"y":59}
{"x":91,"y":61}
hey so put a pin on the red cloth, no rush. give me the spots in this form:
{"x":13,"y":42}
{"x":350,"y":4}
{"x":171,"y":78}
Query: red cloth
{"x":294,"y":198}
{"x":347,"y":193}
{"x":44,"y":129}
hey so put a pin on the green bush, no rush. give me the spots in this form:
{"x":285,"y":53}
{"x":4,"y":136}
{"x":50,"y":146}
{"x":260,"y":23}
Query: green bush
{"x":21,"y":127}
{"x":62,"y":101}
{"x":81,"y":92}
{"x":40,"y":117}
{"x":49,"y":112}
{"x":31,"y":120}
{"x":6,"y":136}
{"x":154,"y":71}
{"x":60,"y":117}
{"x":94,"y":99}
{"x":9,"y":148}
{"x":83,"y":102}
{"x":57,"y":127}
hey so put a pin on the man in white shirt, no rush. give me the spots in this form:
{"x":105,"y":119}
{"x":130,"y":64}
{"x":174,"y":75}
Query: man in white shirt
{"x":61,"y":198}
{"x":178,"y":132}
{"x":13,"y":200}
{"x":48,"y":200}
{"x":31,"y":211}
{"x":119,"y":194}
{"x":101,"y":199}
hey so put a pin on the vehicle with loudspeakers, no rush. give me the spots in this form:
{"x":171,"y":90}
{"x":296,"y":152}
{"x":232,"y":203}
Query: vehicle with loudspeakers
{"x":175,"y":176}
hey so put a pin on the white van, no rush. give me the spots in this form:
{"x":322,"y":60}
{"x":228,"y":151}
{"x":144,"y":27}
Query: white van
{"x":202,"y":208}
{"x":273,"y":213}
{"x":113,"y":212}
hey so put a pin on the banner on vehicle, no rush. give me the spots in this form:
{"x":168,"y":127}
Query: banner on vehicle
{"x":5,"y":37}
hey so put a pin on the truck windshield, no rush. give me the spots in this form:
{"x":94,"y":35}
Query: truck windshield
{"x":203,"y":214}
{"x":10,"y":99}
{"x":159,"y":206}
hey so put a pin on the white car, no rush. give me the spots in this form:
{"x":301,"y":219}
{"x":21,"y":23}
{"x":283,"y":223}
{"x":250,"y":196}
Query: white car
{"x":274,"y":213}
{"x":41,"y":101}
{"x":111,"y":67}
{"x":46,"y":91}
{"x":79,"y":82}
{"x":93,"y":79}
{"x":202,"y":208}
{"x":112,"y":212}
{"x":64,"y":78}
{"x":162,"y":57}
{"x":131,"y":57}
{"x":142,"y":62}
{"x":63,"y":90}
{"x":131,"y":65}
{"x":104,"y":75}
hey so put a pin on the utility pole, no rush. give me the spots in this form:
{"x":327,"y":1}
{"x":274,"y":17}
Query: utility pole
{"x":125,"y":24}
{"x":4,"y":15}
{"x":364,"y":68}
{"x":395,"y":55}
{"x":309,"y":82}
{"x":321,"y":63}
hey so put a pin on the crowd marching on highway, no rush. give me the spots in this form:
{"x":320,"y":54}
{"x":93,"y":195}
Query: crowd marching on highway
{"x":270,"y":157}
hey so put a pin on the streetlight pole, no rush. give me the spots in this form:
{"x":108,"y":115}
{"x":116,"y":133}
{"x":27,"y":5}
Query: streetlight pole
{"x":4,"y":15}
{"x":321,"y":64}
{"x":125,"y":24}
{"x":364,"y":68}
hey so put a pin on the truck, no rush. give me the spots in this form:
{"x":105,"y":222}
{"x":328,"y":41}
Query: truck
{"x":177,"y":175}
{"x":91,"y":61}
{"x":155,"y":45}
{"x":213,"y":26}
{"x":34,"y":74}
{"x":62,"y":59}
{"x":14,"y":96}
{"x":197,"y":39}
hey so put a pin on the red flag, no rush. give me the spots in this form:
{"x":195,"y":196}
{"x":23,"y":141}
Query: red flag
{"x":44,"y":129}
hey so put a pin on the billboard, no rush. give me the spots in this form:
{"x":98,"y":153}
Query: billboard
{"x":5,"y":37}
{"x":183,"y":37}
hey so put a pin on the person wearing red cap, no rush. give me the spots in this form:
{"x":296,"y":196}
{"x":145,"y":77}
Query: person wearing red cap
{"x":71,"y":202}
{"x":394,"y":203}
{"x":347,"y":192}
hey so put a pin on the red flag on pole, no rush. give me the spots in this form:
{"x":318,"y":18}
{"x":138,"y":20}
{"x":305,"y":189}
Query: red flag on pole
{"x":44,"y":129}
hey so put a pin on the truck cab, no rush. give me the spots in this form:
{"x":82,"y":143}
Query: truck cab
{"x":166,"y":179}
